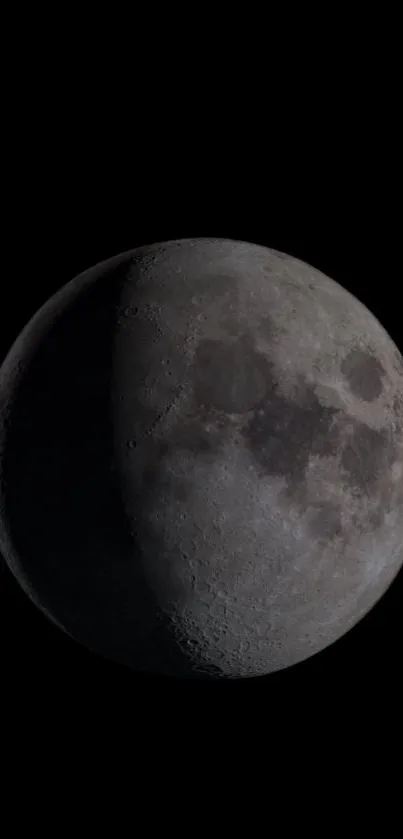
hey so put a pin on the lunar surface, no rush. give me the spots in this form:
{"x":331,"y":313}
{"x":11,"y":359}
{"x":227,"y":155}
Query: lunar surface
{"x":201,"y":459}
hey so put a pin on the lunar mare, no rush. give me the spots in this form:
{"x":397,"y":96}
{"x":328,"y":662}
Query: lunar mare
{"x":218,"y":431}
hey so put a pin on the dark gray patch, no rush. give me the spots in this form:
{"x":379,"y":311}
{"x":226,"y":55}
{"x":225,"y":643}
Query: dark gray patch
{"x":283,"y":433}
{"x":201,"y":433}
{"x":267,"y":328}
{"x":364,"y":374}
{"x":229,"y":377}
{"x":398,"y":411}
{"x":376,"y":518}
{"x":154,"y":453}
{"x":326,"y":523}
{"x":217,"y":285}
{"x":367,"y":456}
{"x":230,"y":324}
{"x":177,"y":488}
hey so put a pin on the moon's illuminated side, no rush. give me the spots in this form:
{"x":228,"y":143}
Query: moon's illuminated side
{"x":218,"y":430}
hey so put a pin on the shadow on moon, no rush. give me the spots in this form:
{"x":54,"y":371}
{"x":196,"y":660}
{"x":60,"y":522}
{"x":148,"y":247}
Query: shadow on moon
{"x":71,"y":540}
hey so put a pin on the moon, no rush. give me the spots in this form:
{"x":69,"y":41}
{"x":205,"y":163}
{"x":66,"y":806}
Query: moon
{"x":201,"y":459}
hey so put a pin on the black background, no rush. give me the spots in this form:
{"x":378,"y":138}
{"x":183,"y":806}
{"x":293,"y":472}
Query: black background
{"x":76,"y":204}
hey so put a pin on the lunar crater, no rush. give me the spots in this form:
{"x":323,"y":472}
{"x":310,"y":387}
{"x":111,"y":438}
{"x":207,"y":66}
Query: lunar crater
{"x":364,"y":373}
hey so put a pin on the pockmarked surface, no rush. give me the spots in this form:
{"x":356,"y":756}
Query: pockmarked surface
{"x":201,"y":453}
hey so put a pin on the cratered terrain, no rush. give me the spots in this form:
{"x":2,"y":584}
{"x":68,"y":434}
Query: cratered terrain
{"x":201,"y":455}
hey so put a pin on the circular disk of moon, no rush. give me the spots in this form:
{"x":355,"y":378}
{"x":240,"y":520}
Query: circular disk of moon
{"x":201,"y":459}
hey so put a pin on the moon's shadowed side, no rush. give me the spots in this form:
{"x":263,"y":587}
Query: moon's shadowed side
{"x":70,"y":540}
